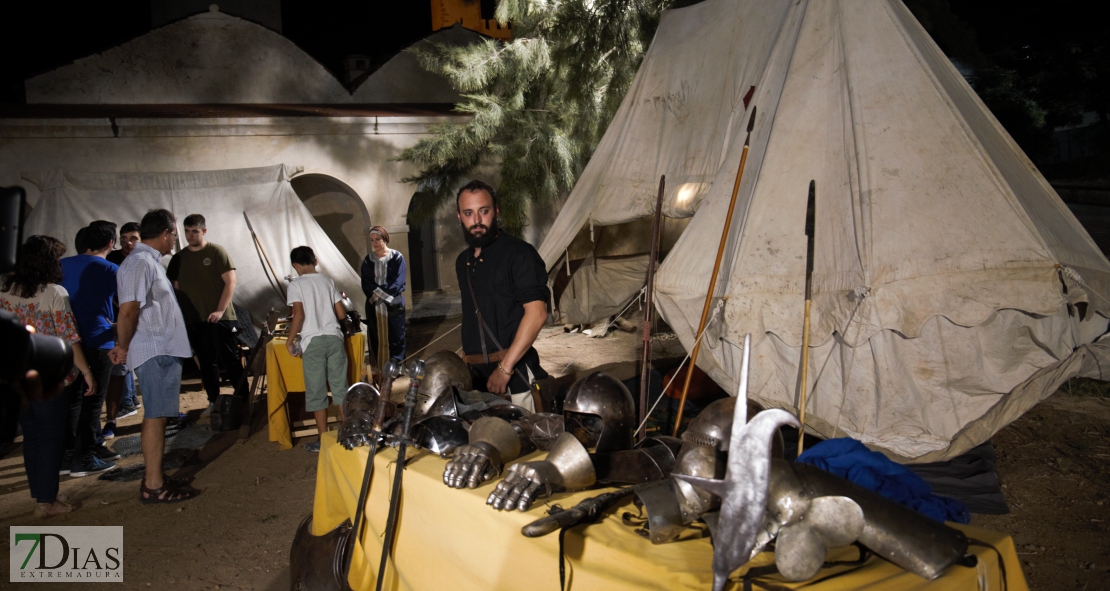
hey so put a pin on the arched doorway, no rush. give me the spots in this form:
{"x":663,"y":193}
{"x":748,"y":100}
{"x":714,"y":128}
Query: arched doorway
{"x":339,"y":211}
{"x":423,"y":266}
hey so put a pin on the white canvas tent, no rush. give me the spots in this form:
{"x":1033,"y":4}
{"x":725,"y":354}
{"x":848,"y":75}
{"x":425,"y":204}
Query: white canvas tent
{"x":70,"y":200}
{"x":953,"y":290}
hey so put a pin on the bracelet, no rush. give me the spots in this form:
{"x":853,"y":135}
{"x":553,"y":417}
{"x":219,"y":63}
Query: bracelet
{"x":508,"y":373}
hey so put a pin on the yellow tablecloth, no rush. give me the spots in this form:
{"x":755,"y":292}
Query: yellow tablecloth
{"x":284,"y":374}
{"x":450,"y":539}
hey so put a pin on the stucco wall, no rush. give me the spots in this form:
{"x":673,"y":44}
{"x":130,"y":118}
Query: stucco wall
{"x":207,"y":58}
{"x":358,"y":152}
{"x":403,"y":80}
{"x":216,"y":58}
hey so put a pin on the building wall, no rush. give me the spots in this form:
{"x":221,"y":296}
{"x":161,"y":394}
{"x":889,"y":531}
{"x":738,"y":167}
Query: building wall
{"x":359,"y":152}
{"x":208,"y":58}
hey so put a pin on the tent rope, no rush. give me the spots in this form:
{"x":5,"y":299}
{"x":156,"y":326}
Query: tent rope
{"x":1075,"y":276}
{"x":663,"y":394}
{"x":861,"y":294}
{"x":432,"y":343}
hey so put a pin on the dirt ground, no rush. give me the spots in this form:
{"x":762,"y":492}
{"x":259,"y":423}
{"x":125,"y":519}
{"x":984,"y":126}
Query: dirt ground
{"x":1054,"y":463}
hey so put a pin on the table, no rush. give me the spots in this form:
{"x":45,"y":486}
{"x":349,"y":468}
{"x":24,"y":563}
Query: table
{"x":450,"y":539}
{"x":284,"y":374}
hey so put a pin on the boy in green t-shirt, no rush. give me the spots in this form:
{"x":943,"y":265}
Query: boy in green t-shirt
{"x":204,"y":277}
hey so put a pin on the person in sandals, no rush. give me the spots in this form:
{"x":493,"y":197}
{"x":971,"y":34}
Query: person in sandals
{"x":317,"y":310}
{"x":151,"y":338}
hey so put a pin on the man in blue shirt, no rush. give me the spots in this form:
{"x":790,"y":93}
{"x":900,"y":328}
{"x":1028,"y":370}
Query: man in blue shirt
{"x":91,"y":282}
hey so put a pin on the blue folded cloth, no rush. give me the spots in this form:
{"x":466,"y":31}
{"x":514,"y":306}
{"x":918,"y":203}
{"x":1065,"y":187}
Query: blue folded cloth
{"x":851,"y":460}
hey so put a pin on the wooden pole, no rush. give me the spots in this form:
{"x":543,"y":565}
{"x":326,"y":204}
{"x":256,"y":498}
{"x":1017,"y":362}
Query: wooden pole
{"x":810,"y":206}
{"x":713,"y":277}
{"x":645,"y":358}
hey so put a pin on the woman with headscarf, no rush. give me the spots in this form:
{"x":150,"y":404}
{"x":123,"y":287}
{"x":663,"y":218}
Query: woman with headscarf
{"x":34,"y":295}
{"x":383,"y":282}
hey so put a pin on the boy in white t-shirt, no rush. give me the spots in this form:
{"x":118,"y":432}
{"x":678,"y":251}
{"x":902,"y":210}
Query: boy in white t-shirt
{"x":317,"y":310}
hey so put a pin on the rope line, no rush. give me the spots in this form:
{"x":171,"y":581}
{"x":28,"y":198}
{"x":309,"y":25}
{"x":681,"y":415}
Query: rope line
{"x":433,"y":342}
{"x":717,"y":309}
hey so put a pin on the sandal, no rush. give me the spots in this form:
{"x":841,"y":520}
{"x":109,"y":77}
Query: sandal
{"x":44,"y":510}
{"x":164,"y":494}
{"x":171,"y":482}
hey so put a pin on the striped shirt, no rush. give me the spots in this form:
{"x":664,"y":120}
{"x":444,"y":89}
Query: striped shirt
{"x":161,"y":329}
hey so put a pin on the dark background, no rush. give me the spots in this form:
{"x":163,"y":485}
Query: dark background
{"x":1037,"y":65}
{"x":41,"y":36}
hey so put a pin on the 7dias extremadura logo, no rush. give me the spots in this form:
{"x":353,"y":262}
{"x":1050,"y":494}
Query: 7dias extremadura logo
{"x":66,"y":554}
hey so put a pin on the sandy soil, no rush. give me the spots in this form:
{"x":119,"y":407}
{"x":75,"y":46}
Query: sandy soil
{"x":1054,"y":463}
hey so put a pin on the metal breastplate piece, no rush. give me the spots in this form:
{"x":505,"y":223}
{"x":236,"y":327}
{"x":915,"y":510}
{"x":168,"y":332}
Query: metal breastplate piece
{"x":439,"y":434}
{"x":572,"y":462}
{"x":805,"y":527}
{"x":499,"y":434}
{"x":318,"y":563}
{"x":599,"y":410}
{"x":443,"y":369}
{"x":897,"y":533}
{"x":653,"y":459}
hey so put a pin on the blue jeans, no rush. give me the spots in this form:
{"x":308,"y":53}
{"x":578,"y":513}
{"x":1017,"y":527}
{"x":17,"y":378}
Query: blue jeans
{"x":160,"y":382}
{"x":128,"y":398}
{"x":44,"y":424}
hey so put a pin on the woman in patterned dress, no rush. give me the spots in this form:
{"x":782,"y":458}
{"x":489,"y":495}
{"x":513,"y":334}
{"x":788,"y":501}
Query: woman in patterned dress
{"x":32,"y":293}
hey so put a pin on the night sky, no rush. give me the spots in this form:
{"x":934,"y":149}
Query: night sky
{"x":41,"y":36}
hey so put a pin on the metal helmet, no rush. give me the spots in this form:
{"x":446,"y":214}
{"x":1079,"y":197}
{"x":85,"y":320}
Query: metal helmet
{"x":444,"y":406}
{"x":442,"y":370}
{"x":599,"y":411}
{"x":439,"y":434}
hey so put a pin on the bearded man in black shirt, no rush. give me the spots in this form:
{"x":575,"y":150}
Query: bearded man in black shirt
{"x":504,"y":298}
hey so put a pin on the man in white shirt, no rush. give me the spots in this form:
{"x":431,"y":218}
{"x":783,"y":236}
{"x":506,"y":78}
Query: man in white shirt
{"x":317,"y":310}
{"x":151,"y":338}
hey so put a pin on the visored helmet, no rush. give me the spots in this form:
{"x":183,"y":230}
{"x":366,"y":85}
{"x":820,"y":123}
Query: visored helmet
{"x":599,"y":411}
{"x":442,"y":370}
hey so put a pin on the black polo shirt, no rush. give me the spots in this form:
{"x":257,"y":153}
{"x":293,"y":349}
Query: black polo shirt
{"x":508,"y":274}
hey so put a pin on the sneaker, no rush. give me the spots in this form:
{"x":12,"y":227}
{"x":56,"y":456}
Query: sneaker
{"x":67,"y":463}
{"x":208,"y":410}
{"x":93,"y":465}
{"x":103,"y":453}
{"x":127,"y":411}
{"x":109,"y":430}
{"x":313,"y":447}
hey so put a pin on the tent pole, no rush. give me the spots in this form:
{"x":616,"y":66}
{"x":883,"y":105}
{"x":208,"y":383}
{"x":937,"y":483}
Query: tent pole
{"x":713,"y":277}
{"x":266,"y":259}
{"x":645,"y":358}
{"x":810,"y":204}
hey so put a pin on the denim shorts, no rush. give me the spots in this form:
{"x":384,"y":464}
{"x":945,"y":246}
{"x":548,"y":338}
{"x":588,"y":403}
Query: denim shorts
{"x":160,"y":383}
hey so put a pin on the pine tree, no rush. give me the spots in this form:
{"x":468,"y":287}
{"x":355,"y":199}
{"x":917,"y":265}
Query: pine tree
{"x":539,"y":104}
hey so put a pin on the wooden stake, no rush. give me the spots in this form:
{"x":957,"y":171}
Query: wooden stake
{"x":713,"y":277}
{"x":645,"y":358}
{"x":810,"y":213}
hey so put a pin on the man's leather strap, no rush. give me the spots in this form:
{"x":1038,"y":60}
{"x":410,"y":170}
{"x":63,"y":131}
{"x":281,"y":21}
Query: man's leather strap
{"x":485,"y":358}
{"x":477,"y":359}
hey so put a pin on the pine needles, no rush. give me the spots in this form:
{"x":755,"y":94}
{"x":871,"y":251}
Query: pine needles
{"x":538,"y":104}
